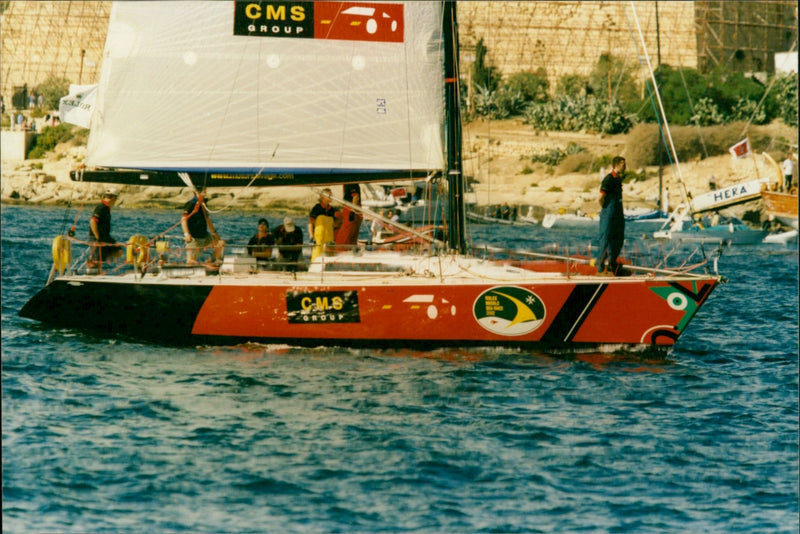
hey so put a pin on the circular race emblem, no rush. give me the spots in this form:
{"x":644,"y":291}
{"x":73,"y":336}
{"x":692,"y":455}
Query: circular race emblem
{"x":509,"y":311}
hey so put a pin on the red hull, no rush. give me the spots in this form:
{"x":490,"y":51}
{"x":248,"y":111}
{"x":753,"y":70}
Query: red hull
{"x":470,"y":302}
{"x":617,"y":311}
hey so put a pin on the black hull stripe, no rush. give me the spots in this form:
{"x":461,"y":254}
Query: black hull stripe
{"x":139,"y":310}
{"x":573,"y":313}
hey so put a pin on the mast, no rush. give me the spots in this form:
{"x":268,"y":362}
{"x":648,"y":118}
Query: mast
{"x":455,"y":179}
{"x":660,"y":130}
{"x":665,"y":125}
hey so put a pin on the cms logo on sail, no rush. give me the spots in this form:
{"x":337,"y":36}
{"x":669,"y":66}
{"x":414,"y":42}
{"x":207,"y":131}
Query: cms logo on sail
{"x":273,"y":19}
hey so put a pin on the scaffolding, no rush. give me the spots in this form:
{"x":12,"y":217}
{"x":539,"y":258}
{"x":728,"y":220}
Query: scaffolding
{"x":66,"y":39}
{"x":43,"y":39}
{"x":569,"y":37}
{"x":744,"y":36}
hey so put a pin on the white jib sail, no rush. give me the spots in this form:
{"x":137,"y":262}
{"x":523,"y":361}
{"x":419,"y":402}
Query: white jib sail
{"x":180,"y":89}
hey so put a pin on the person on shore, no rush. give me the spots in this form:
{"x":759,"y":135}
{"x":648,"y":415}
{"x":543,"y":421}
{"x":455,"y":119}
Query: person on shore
{"x":612,"y":219}
{"x":289,"y":240}
{"x":196,"y":223}
{"x":788,"y":172}
{"x":712,"y":183}
{"x":104,"y":247}
{"x":260,"y":245}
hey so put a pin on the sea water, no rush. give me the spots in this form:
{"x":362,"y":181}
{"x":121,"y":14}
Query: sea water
{"x":110,"y":435}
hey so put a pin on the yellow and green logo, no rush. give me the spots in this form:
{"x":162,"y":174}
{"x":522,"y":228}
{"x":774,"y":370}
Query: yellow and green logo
{"x":509,"y":311}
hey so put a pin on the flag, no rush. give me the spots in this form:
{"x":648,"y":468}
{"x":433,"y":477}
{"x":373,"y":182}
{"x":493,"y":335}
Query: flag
{"x":76,"y":108}
{"x":740,"y":149}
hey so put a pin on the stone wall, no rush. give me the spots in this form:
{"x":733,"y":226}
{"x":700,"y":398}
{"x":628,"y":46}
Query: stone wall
{"x":567,"y":37}
{"x":39,"y":39}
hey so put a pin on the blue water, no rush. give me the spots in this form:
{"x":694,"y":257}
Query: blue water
{"x":103,"y":435}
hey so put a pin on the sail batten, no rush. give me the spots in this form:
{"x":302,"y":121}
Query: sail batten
{"x":181,"y":90}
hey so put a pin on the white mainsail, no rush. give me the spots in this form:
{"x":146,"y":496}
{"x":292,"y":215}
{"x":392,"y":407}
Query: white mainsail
{"x":180,"y":90}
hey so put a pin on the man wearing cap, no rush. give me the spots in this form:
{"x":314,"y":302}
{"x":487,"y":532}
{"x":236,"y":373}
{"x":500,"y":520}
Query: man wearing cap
{"x":289,"y":239}
{"x":260,"y":245}
{"x":104,"y":247}
{"x":196,"y":224}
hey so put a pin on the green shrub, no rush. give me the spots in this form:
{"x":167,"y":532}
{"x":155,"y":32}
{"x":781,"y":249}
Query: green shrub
{"x":526,"y":170}
{"x":706,"y":113}
{"x":555,"y":189}
{"x":564,"y":113}
{"x":50,"y":137}
{"x":783,"y":101}
{"x":612,"y":80}
{"x":748,"y":110}
{"x":719,"y":97}
{"x":483,"y":74}
{"x":52,"y":89}
{"x":532,"y":86}
{"x":571,"y":85}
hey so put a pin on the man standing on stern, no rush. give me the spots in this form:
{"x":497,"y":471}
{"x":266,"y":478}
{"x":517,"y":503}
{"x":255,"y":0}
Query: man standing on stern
{"x":612,"y":220}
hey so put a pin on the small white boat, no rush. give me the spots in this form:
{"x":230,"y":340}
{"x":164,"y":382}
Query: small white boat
{"x":636,"y":219}
{"x":728,"y":230}
{"x":569,"y":220}
{"x":781,"y":238}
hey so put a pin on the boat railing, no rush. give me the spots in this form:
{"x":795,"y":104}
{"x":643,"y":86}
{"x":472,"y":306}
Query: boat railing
{"x":641,"y":258}
{"x":142,"y":255}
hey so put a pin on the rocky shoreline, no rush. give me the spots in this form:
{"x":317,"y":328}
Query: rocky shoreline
{"x":494,"y":159}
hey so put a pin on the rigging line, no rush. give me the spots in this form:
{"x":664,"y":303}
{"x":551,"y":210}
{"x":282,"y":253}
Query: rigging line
{"x":619,"y":78}
{"x":489,"y":127}
{"x":691,"y":107}
{"x":408,"y":108}
{"x":686,"y":199}
{"x":230,"y":92}
{"x":656,"y":114}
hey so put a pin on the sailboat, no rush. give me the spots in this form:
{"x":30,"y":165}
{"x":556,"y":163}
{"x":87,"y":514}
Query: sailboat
{"x":779,"y":205}
{"x":319,"y":93}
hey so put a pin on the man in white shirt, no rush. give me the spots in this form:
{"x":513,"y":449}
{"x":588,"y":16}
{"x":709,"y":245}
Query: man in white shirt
{"x":788,"y":171}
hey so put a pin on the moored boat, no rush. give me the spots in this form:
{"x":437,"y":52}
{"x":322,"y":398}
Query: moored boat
{"x":391,"y":69}
{"x":781,"y":206}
